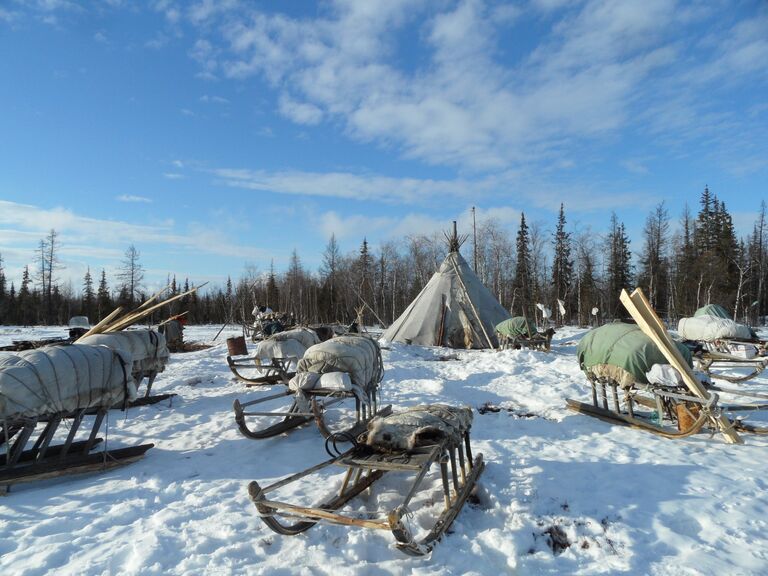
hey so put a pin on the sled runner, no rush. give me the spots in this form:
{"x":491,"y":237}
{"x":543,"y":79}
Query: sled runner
{"x":331,"y":377}
{"x":653,"y":372}
{"x":43,"y":388}
{"x":407,"y":442}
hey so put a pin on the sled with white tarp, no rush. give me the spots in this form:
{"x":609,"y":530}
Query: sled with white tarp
{"x":74,"y":385}
{"x":723,"y":348}
{"x":148,"y":351}
{"x":410,"y":442}
{"x":275,"y":358}
{"x":336,"y":384}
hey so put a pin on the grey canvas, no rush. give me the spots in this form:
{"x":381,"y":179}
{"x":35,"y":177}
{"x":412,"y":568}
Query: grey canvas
{"x":456,"y":299}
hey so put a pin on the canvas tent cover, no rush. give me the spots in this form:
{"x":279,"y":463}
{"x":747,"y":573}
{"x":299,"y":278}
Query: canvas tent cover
{"x":61,"y":379}
{"x":516,"y":327}
{"x":358,"y":356}
{"x":712,"y":310}
{"x":623,"y":346}
{"x":454,"y":309}
{"x":709,"y":328}
{"x":147,"y":348}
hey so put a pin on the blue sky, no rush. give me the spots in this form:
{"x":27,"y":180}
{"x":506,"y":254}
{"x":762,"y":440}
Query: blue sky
{"x":212,"y":135}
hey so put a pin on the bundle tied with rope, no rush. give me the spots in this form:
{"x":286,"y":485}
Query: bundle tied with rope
{"x":63,"y":379}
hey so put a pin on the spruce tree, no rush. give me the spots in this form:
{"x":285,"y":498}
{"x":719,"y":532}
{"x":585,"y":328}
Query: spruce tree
{"x":89,"y":297}
{"x":562,"y":265}
{"x":103,"y":298}
{"x":619,"y":269}
{"x":522,"y":295}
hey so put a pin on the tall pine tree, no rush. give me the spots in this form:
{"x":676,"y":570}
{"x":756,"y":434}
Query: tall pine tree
{"x":522,"y":296}
{"x":562,"y":267}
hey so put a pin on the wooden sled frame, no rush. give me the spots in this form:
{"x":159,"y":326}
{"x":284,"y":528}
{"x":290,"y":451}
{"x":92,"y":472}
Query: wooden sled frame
{"x":364,"y":468}
{"x":269,"y":374}
{"x":711,"y":362}
{"x":647,"y":320}
{"x":43,"y":460}
{"x":665,"y":403}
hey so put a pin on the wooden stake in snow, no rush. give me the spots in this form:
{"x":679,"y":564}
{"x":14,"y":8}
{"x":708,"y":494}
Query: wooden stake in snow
{"x":640,"y":309}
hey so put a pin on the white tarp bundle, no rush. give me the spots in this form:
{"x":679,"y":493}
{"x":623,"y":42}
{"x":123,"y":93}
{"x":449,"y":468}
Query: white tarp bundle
{"x":288,"y":344}
{"x":418,"y":426}
{"x":454,"y":309}
{"x":358,"y":356}
{"x":147,"y":348}
{"x":60,"y":379}
{"x":709,"y":328}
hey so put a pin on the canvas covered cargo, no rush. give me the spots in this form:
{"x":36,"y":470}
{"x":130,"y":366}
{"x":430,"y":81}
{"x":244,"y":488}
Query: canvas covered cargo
{"x":622,"y":353}
{"x":358,"y":356}
{"x":454,"y":309}
{"x":517,"y":327}
{"x":147,"y":348}
{"x":712,"y":310}
{"x":62,"y":379}
{"x":709,"y":328}
{"x":288,"y":344}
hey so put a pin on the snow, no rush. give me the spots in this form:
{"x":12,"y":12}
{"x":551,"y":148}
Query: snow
{"x":627,"y":501}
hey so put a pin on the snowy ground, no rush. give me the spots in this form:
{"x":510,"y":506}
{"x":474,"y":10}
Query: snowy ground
{"x":628,"y":502}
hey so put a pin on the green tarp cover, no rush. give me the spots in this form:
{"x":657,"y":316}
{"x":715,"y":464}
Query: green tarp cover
{"x":517,"y":326}
{"x":625,"y":346}
{"x":713,"y":310}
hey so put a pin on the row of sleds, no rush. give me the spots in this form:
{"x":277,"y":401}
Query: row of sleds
{"x":642,"y":378}
{"x":63,"y":393}
{"x":335,"y":385}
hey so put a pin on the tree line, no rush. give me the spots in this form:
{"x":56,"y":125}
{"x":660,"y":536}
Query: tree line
{"x":577,"y":274}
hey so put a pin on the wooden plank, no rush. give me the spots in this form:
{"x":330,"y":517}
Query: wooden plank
{"x":291,"y":510}
{"x":640,"y":309}
{"x":101,"y":325}
{"x":139,"y":314}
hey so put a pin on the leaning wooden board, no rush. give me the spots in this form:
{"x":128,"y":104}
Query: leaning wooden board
{"x":640,"y":309}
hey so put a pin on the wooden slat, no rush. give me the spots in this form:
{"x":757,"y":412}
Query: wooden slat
{"x":319,"y":514}
{"x":640,"y":309}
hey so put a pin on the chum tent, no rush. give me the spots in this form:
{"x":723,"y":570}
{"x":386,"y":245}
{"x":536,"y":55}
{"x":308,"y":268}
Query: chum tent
{"x":454,"y":309}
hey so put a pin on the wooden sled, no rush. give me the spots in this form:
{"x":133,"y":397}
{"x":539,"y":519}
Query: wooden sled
{"x":270,"y":423}
{"x":363,"y":468}
{"x":43,"y":460}
{"x":691,"y":406}
{"x":541,"y":342}
{"x":716,"y":363}
{"x":262,"y":375}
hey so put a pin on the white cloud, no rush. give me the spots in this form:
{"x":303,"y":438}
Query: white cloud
{"x":133,"y":198}
{"x":173,"y":176}
{"x":344,"y":185}
{"x":213,"y":99}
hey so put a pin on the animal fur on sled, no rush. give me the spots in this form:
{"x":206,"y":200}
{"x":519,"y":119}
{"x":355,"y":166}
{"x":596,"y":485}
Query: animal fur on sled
{"x":418,"y":426}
